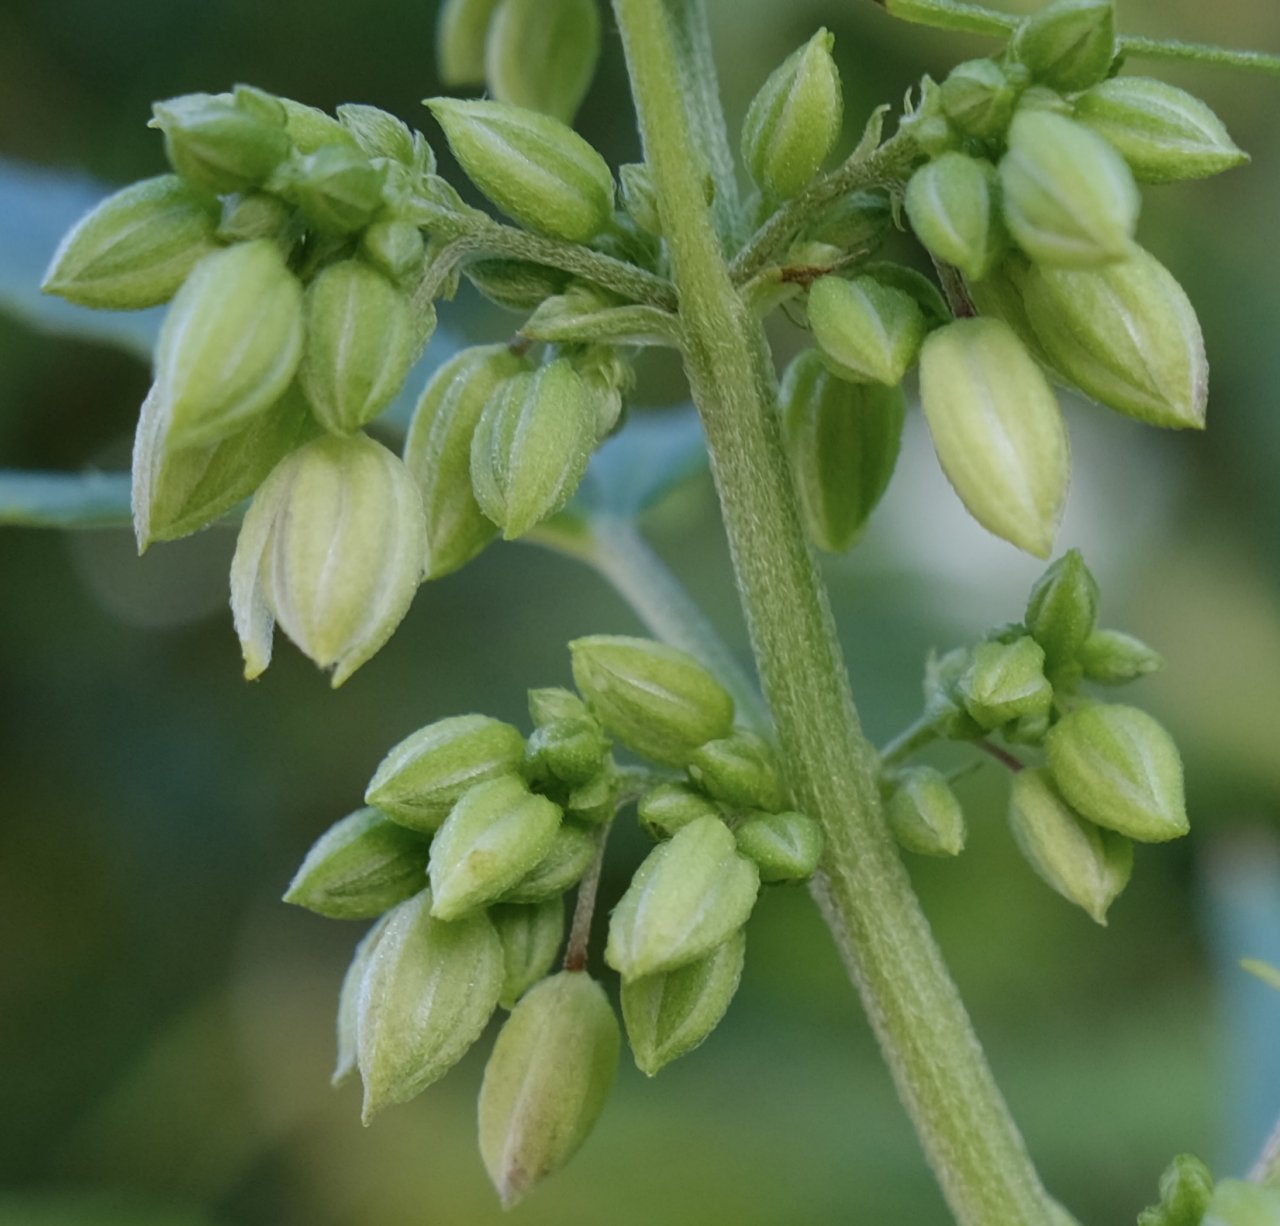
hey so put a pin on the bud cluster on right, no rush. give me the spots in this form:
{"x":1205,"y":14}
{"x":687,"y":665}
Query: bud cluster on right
{"x":1189,"y":1196}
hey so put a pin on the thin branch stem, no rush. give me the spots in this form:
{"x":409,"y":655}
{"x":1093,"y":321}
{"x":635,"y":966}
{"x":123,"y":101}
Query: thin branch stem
{"x":1011,"y":763}
{"x":911,"y":739}
{"x":584,"y":909}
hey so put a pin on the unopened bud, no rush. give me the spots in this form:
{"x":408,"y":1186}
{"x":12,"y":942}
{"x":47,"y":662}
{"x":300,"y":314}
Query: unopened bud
{"x":867,"y":332}
{"x":1112,"y":658}
{"x":461,"y":29}
{"x":349,"y":1003}
{"x":925,"y":814}
{"x":978,"y":96}
{"x":1006,"y":681}
{"x":560,"y":869}
{"x":517,"y":285}
{"x":783,"y":846}
{"x":379,"y":133}
{"x":1062,"y":610}
{"x":530,"y":937}
{"x":542,"y":54}
{"x":1069,"y":44}
{"x":573,"y":750}
{"x":337,"y":188}
{"x":952,"y":205}
{"x":396,"y":248}
{"x":254,"y":215}
{"x":740,"y":770}
{"x":670,"y":806}
{"x":223,"y":142}
{"x":310,"y":128}
{"x":555,"y":702}
{"x":595,"y":802}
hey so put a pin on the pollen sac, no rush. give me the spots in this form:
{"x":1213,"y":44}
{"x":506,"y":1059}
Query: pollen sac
{"x":867,"y":332}
{"x":531,"y":938}
{"x":1062,"y":610}
{"x":925,"y":814}
{"x":542,"y":54}
{"x":740,"y":770}
{"x":567,"y":859}
{"x":1110,"y":657}
{"x":978,"y":96}
{"x":1068,"y":45}
{"x":1186,"y":1187}
{"x":337,"y":188}
{"x":783,"y":846}
{"x":666,"y":808}
{"x":572,"y":750}
{"x":395,"y":248}
{"x":252,"y":215}
{"x":952,"y":204}
{"x":1005,"y":682}
{"x":349,"y":1002}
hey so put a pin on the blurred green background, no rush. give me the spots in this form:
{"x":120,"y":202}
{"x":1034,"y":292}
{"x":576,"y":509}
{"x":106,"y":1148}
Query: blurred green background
{"x":167,"y":1023}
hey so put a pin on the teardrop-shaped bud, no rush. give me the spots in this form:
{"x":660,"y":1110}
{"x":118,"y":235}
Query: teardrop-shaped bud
{"x":1087,"y":865}
{"x":1006,"y":681}
{"x":395,"y":248}
{"x":740,"y":770}
{"x":997,"y":430}
{"x":337,"y":188}
{"x":349,"y":1003}
{"x":1062,"y":610}
{"x":360,"y":867}
{"x":1236,"y":1203}
{"x":667,"y":1015}
{"x":531,"y":938}
{"x":379,"y":133}
{"x":542,"y":54}
{"x":331,"y":549}
{"x":135,"y":248}
{"x":690,"y":894}
{"x":953,"y":208}
{"x":1069,"y":44}
{"x":1113,"y":658}
{"x":531,"y":446}
{"x":533,"y":167}
{"x":1119,"y":768}
{"x":461,"y":29}
{"x":670,"y":806}
{"x":517,"y":285}
{"x":867,"y":332}
{"x":430,"y":987}
{"x":657,"y":700}
{"x":566,"y":860}
{"x":572,"y":750}
{"x":978,"y":96}
{"x":423,"y":776}
{"x":783,"y":846}
{"x":794,"y":121}
{"x":551,"y":1070}
{"x":361,"y":340}
{"x":640,"y":197}
{"x":925,"y":814}
{"x":842,"y":442}
{"x":1069,"y":199}
{"x":231,"y":342}
{"x":492,"y":837}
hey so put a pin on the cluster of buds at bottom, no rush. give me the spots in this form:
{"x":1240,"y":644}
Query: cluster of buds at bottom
{"x":1189,"y":1196}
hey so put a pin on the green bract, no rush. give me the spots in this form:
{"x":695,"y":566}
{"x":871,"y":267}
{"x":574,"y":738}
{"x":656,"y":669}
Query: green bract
{"x":953,"y":207}
{"x":381,"y":135}
{"x":867,"y":332}
{"x":396,"y":248}
{"x":1186,"y":1187}
{"x":223,"y":142}
{"x":542,"y":54}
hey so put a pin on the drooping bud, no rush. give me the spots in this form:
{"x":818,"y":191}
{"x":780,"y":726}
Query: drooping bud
{"x":1112,"y":658}
{"x":867,"y":332}
{"x":422,"y":777}
{"x":360,"y":867}
{"x":640,"y":197}
{"x":1062,"y":610}
{"x":1119,"y":768}
{"x":690,"y":894}
{"x":1186,"y":1186}
{"x":1006,"y":681}
{"x":534,"y":168}
{"x":740,"y":770}
{"x":1069,"y":199}
{"x":925,"y":814}
{"x":551,"y":1070}
{"x":531,"y":446}
{"x":530,"y":937}
{"x":337,"y":188}
{"x":395,"y":248}
{"x":978,"y":96}
{"x":461,"y":29}
{"x":542,"y":54}
{"x":1068,"y":45}
{"x":953,"y":208}
{"x":794,"y":121}
{"x":569,"y":856}
{"x":331,"y":549}
{"x":842,"y":441}
{"x":492,"y":837}
{"x":783,"y":846}
{"x":135,"y":248}
{"x":666,"y":808}
{"x":657,"y":700}
{"x":349,"y":1003}
{"x":231,"y":342}
{"x":1236,"y":1203}
{"x":379,"y":133}
{"x":667,"y":1015}
{"x":997,"y":430}
{"x":427,"y":993}
{"x":1087,"y":865}
{"x":516,"y":285}
{"x":361,"y":340}
{"x":573,"y":750}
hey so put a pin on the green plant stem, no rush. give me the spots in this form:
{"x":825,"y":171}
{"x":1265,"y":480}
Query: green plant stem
{"x":584,"y":907}
{"x":924,"y":1033}
{"x":912,"y":738}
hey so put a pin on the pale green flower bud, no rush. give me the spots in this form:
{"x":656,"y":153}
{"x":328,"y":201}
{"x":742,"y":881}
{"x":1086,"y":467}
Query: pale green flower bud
{"x":569,"y":856}
{"x":254,"y":215}
{"x":396,"y":248}
{"x":670,"y":806}
{"x":867,"y":332}
{"x":978,"y":96}
{"x":794,"y":121}
{"x":360,"y":867}
{"x":379,"y":133}
{"x":1113,"y":658}
{"x":427,"y":993}
{"x":1164,"y":133}
{"x":1069,"y":199}
{"x":1086,"y":865}
{"x":740,"y":770}
{"x":1236,"y":1203}
{"x":223,"y":142}
{"x":331,"y":549}
{"x":952,"y":204}
{"x":534,"y":168}
{"x":349,"y":1003}
{"x":997,"y":430}
{"x":1186,"y":1187}
{"x":842,"y":441}
{"x":1119,"y":768}
{"x":690,"y":894}
{"x":669,"y":1014}
{"x":1126,"y":335}
{"x":361,"y":340}
{"x":1062,"y":611}
{"x":555,"y":703}
{"x":1006,"y":681}
{"x":135,"y":248}
{"x":856,"y":222}
{"x":461,"y":29}
{"x":309,"y":128}
{"x":640,"y":197}
{"x":337,"y":188}
{"x":925,"y":814}
{"x":999,"y":294}
{"x":492,"y":837}
{"x":657,"y":700}
{"x":783,"y":846}
{"x":572,"y":750}
{"x":531,"y":937}
{"x":1068,"y":45}
{"x":595,"y":802}
{"x":516,"y":285}
{"x":230,"y":344}
{"x":551,"y":1070}
{"x":531,"y":446}
{"x":542,"y":54}
{"x":423,"y":776}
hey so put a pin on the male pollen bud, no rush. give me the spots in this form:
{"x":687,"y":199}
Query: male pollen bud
{"x":569,"y":856}
{"x":978,"y":96}
{"x":1119,"y":768}
{"x":542,"y":54}
{"x":427,"y":993}
{"x":1164,"y":133}
{"x":135,"y":248}
{"x":1113,"y":658}
{"x":1237,"y":1203}
{"x":1069,"y":199}
{"x":740,"y":770}
{"x":595,"y":802}
{"x":461,"y":30}
{"x":360,"y":867}
{"x":332,"y":550}
{"x":337,"y":188}
{"x":422,"y":777}
{"x":1006,"y":681}
{"x":533,"y":167}
{"x":688,"y":896}
{"x":349,"y":1002}
{"x":1087,"y":865}
{"x":573,"y":750}
{"x":231,"y":342}
{"x":842,"y":441}
{"x":1068,"y":45}
{"x":395,"y":248}
{"x":924,"y":813}
{"x":1062,"y":610}
{"x":310,"y":128}
{"x":546,"y":1081}
{"x":997,"y":430}
{"x":254,"y":215}
{"x":553,"y":703}
{"x":657,"y":700}
{"x":531,"y":937}
{"x":794,"y":121}
{"x":783,"y":846}
{"x":493,"y":836}
{"x":361,"y":340}
{"x":666,"y":808}
{"x":952,"y":205}
{"x":667,"y":1015}
{"x":867,"y":332}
